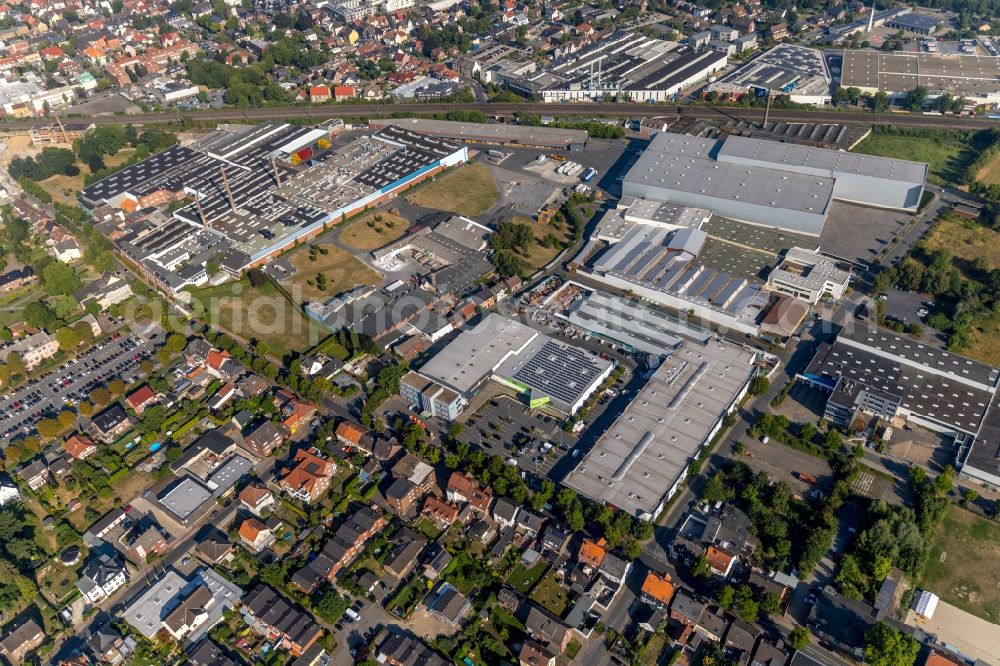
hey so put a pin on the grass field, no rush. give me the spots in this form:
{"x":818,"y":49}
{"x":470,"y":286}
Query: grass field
{"x":522,"y":579}
{"x":960,"y":566}
{"x":970,"y":242}
{"x":966,"y":239}
{"x":653,"y":651}
{"x":990,"y":174}
{"x":384,"y":228}
{"x":263,"y":314}
{"x":342,"y":270}
{"x":65,"y":188}
{"x":551,"y":595}
{"x":539,"y":255}
{"x":947,"y":156}
{"x":468,"y":190}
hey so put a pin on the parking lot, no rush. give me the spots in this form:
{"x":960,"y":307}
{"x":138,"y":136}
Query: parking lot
{"x":910,"y":307}
{"x":71,"y":383}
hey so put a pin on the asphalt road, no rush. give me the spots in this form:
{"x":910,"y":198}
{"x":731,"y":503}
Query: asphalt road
{"x":44,"y":398}
{"x":580,"y":109}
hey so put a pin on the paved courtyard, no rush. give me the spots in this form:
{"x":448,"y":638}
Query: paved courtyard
{"x":973,"y":636}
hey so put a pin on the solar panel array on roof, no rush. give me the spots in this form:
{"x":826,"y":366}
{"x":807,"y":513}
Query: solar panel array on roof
{"x":561,"y":371}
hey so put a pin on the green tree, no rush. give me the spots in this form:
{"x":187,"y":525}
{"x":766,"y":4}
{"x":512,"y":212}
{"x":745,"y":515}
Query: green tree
{"x":800,"y":637}
{"x":770,"y":603}
{"x":68,"y":339}
{"x":701,"y":568}
{"x":726,"y":596}
{"x":884,"y":646}
{"x":759,"y":385}
{"x":58,"y":278}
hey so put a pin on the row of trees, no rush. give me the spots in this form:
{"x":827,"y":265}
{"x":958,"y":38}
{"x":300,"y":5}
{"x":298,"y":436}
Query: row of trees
{"x":49,"y":162}
{"x":895,"y":536}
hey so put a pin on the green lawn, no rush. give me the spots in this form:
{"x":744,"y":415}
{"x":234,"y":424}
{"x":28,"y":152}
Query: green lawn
{"x":948,"y":154}
{"x":961,"y":564}
{"x":259,"y":314}
{"x":551,"y":595}
{"x":407,"y":597}
{"x":522,"y":579}
{"x":427,"y":527}
{"x":467,"y":190}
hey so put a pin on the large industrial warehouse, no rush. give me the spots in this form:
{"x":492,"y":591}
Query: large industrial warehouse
{"x":496,"y":134}
{"x":259,"y":191}
{"x":545,"y":371}
{"x":639,"y":463}
{"x":974,"y":77}
{"x":780,"y":185}
{"x":623,"y":64}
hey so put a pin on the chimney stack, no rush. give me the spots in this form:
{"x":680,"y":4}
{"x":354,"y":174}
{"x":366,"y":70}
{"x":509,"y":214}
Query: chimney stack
{"x":201,"y":213}
{"x":62,"y":128}
{"x":229,"y":190}
{"x":277,"y":176}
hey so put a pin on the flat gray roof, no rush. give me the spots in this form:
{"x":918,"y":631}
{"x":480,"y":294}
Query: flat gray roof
{"x":822,"y":161}
{"x":185,"y":497}
{"x":634,"y":465}
{"x":490,"y":133}
{"x":473,"y":356}
{"x":688,"y":164}
{"x":639,"y":327}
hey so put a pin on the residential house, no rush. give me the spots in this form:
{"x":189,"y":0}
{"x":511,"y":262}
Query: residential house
{"x":222,"y":366}
{"x":614,"y":569}
{"x":720,"y":560}
{"x":295,"y":412}
{"x":150,"y":541}
{"x":449,"y":604}
{"x":256,"y":499}
{"x":80,"y":447}
{"x":103,"y":574}
{"x":177,"y":608}
{"x":463,"y":488}
{"x":554,"y":539}
{"x":273,"y":615}
{"x":17,"y":278}
{"x":403,"y":558}
{"x":547,"y":628}
{"x":712,"y":626}
{"x":529,"y":524}
{"x":9,"y":492}
{"x":141,"y":398}
{"x":440,"y":512}
{"x":440,"y":562}
{"x":592,"y":553}
{"x":35,"y":474}
{"x":22,"y":636}
{"x":109,"y":289}
{"x":774,"y":655}
{"x":534,"y":653}
{"x":207,"y":653}
{"x":255,"y":535}
{"x":265,"y":438}
{"x":416,"y":471}
{"x":33,"y":349}
{"x":347,"y":542}
{"x":400,"y":495}
{"x":658,"y":590}
{"x":505,"y":513}
{"x":106,"y":644}
{"x":226,"y":392}
{"x":740,"y":639}
{"x":354,"y":438}
{"x":310,"y":478}
{"x":685,"y":609}
{"x":111,"y":423}
{"x":215,"y":547}
{"x":402,"y":650}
